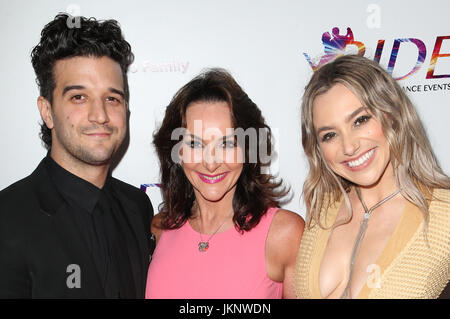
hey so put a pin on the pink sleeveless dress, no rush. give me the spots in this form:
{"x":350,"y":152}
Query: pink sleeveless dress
{"x":234,"y":266}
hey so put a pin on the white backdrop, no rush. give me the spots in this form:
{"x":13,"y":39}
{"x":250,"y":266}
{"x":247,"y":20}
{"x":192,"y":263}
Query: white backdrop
{"x":262,"y":43}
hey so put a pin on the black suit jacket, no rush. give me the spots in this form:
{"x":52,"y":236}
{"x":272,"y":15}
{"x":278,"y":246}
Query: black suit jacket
{"x":40,"y":240}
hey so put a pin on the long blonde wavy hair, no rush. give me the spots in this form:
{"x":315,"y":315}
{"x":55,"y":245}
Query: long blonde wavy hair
{"x":416,"y":169}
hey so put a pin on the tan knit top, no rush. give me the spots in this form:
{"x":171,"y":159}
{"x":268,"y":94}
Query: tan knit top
{"x":409,"y":268}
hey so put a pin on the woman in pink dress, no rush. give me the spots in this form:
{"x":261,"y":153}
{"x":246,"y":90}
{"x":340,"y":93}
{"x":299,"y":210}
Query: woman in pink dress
{"x":220,"y":232}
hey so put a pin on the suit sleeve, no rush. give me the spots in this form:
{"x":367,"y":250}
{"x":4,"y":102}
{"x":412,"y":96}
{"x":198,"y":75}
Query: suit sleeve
{"x":14,"y":274}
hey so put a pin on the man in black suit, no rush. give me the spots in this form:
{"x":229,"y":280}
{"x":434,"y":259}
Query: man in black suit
{"x":71,"y":230}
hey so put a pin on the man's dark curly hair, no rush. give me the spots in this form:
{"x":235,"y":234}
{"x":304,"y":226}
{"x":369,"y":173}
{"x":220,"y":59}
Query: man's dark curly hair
{"x":255,"y":191}
{"x":61,"y":39}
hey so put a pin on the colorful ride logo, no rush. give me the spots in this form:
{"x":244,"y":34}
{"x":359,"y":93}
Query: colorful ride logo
{"x":335,"y":45}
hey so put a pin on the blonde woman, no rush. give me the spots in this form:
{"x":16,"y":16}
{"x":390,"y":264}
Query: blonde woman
{"x":378,"y":204}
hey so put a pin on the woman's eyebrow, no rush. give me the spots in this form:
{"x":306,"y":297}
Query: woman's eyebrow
{"x":194,"y":137}
{"x":348,"y":118}
{"x":324,"y":128}
{"x":354,"y":113}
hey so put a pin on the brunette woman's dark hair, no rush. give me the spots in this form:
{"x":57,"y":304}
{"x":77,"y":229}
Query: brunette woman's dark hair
{"x":255,"y":191}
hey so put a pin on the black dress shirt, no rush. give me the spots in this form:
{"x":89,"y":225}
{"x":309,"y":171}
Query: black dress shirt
{"x":101,"y":220}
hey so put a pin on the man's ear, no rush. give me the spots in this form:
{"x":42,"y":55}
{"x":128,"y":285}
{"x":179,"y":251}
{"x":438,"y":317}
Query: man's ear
{"x":45,"y":108}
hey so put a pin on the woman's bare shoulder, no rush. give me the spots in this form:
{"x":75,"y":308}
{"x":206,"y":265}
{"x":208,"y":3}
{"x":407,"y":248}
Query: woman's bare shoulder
{"x":286,"y":230}
{"x":288,"y":220}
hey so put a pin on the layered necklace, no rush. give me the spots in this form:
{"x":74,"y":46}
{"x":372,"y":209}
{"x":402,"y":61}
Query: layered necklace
{"x":204,"y":245}
{"x":362,"y":230}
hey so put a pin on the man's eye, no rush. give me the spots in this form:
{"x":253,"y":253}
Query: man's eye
{"x":362,"y":119}
{"x":328,"y":136}
{"x":78,"y":98}
{"x":113,"y":99}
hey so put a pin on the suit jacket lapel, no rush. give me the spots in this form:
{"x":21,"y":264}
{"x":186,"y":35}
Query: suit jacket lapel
{"x":67,"y":229}
{"x":140,"y":263}
{"x":76,"y":246}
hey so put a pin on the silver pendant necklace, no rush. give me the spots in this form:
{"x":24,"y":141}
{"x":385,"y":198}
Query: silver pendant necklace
{"x":204,"y":245}
{"x":362,"y":231}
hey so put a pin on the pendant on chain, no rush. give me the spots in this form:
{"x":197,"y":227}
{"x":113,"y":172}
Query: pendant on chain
{"x":203,"y":246}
